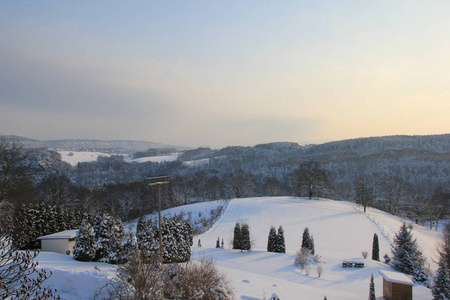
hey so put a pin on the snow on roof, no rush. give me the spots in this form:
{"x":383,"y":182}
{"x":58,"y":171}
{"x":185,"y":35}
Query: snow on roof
{"x":67,"y":234}
{"x":396,"y":277}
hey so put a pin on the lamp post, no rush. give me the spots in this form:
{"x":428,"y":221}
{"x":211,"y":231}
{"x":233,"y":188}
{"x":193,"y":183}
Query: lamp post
{"x":158,"y":181}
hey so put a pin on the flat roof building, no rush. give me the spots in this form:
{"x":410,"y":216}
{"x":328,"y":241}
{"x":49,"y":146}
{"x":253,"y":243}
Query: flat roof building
{"x":396,"y":286}
{"x":60,"y":242}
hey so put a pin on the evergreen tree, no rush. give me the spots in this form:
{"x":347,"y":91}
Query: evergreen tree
{"x":375,"y":248}
{"x":307,"y":241}
{"x":271,"y":241}
{"x":407,"y":256}
{"x":176,"y":241}
{"x":218,"y":243}
{"x":130,"y":244}
{"x":313,"y":250}
{"x":372,"y":289}
{"x":441,"y":287}
{"x":420,"y":276}
{"x":237,"y":239}
{"x":185,"y":240}
{"x":102,"y":231}
{"x":84,"y":249}
{"x":147,"y":237}
{"x":115,"y":242}
{"x":280,"y":245}
{"x":245,"y":236}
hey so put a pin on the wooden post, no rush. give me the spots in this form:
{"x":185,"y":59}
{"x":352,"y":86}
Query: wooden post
{"x":158,"y":181}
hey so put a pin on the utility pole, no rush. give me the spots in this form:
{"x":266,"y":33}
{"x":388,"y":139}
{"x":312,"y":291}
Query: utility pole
{"x":158,"y":181}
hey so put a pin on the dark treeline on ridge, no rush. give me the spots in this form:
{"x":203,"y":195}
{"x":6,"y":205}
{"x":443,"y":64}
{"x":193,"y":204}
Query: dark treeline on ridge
{"x":400,"y":174}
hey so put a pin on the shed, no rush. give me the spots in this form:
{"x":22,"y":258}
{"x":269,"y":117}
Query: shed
{"x":396,"y":286}
{"x":59,"y":242}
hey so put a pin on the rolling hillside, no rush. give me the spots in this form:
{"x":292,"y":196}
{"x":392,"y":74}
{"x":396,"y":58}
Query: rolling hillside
{"x":341,"y":231}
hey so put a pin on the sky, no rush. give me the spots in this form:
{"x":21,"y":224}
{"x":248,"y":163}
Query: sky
{"x":221,"y":73}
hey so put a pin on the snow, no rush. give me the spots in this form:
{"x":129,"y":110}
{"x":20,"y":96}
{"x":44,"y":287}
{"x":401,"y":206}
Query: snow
{"x":341,"y":231}
{"x":67,"y":234}
{"x":157,"y":159}
{"x":198,"y":162}
{"x":74,"y":157}
{"x":396,"y":277}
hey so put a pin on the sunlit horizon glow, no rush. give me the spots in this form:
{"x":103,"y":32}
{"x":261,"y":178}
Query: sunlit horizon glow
{"x":222,"y":73}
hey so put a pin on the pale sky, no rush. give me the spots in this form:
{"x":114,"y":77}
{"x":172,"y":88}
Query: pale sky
{"x":220,"y":73}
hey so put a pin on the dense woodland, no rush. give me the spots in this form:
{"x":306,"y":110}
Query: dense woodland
{"x":406,"y":175}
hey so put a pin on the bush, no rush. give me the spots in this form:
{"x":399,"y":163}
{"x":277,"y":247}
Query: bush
{"x":302,"y":258}
{"x":364,"y":254}
{"x":143,"y":278}
{"x":198,"y":280}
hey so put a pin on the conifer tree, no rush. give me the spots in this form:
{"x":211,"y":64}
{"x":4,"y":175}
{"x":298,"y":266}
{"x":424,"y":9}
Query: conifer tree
{"x":313,"y":250}
{"x":84,"y":249}
{"x":147,"y":237}
{"x":271,"y":241}
{"x":441,"y":287}
{"x":375,"y":248}
{"x":420,"y":275}
{"x":372,"y":289}
{"x":176,"y":241}
{"x":407,"y":256}
{"x":245,"y":236}
{"x":218,"y":243}
{"x":280,"y":245}
{"x":115,"y":242}
{"x":102,"y":231}
{"x":130,"y":244}
{"x":307,"y":241}
{"x":237,"y":239}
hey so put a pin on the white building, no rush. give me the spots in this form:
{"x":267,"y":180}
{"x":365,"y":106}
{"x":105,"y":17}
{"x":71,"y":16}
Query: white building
{"x":59,"y":242}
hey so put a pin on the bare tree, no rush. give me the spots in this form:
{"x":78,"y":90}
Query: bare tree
{"x":419,"y":206}
{"x":240,"y":184}
{"x":393,"y":194}
{"x":364,"y":191}
{"x":12,"y":168}
{"x":272,"y":186}
{"x":182,"y":189}
{"x":309,"y":180}
{"x":19,"y":277}
{"x":440,"y":206}
{"x":141,"y":277}
{"x":57,"y":189}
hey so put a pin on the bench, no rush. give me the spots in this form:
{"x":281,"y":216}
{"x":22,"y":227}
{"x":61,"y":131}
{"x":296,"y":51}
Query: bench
{"x":350,"y":264}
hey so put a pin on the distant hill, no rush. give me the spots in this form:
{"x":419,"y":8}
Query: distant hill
{"x":93,"y":145}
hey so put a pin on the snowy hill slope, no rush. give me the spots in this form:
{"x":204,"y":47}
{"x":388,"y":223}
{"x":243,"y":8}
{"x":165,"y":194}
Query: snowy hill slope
{"x":341,"y":231}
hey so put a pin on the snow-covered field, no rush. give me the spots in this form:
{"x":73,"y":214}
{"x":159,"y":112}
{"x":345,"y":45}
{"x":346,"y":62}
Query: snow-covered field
{"x":341,"y":231}
{"x":157,"y":159}
{"x":74,"y":157}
